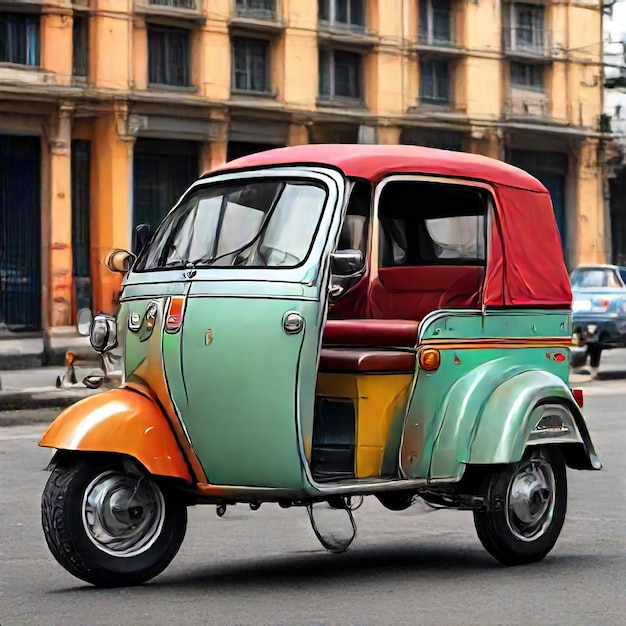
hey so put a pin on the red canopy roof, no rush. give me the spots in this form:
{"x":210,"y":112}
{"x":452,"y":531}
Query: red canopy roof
{"x":374,"y":162}
{"x":525,"y":265}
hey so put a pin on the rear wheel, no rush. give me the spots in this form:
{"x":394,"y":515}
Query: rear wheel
{"x":111,"y":525}
{"x":526,"y":508}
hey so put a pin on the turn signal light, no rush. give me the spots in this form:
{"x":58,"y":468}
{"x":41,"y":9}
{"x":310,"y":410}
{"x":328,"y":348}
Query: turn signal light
{"x":174,"y":317}
{"x":429,"y":359}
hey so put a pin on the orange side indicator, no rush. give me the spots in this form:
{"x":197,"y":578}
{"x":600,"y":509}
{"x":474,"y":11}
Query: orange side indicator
{"x":174,"y":317}
{"x":429,"y":359}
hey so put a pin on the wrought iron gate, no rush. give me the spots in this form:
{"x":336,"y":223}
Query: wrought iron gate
{"x":162,"y":172}
{"x":20,"y":233}
{"x":81,"y":261}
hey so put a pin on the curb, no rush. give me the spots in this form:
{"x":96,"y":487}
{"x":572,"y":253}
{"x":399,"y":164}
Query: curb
{"x":21,"y":400}
{"x":26,"y":417}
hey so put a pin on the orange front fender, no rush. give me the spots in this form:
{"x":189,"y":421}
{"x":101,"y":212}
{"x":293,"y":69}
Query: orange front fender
{"x":124,"y":422}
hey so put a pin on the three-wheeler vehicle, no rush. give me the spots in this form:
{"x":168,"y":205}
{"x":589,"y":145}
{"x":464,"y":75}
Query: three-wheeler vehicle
{"x":313,"y":324}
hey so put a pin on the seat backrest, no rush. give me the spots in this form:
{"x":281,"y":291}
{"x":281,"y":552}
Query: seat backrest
{"x":411,"y":293}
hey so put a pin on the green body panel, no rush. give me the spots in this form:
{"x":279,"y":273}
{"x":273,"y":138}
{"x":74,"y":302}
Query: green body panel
{"x":242,"y":388}
{"x":448,"y":406}
{"x":503,"y":324}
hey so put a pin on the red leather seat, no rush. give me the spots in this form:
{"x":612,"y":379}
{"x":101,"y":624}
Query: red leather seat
{"x":387,"y":361}
{"x":371,"y":333}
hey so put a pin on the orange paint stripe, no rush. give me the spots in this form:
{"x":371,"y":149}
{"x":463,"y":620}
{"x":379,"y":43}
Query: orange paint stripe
{"x":513,"y":342}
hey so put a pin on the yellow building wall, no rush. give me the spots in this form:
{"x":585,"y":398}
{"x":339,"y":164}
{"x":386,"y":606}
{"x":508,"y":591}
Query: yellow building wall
{"x":118,"y":66}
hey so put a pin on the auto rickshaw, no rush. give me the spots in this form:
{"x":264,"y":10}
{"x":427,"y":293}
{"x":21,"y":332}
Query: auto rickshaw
{"x":313,"y":324}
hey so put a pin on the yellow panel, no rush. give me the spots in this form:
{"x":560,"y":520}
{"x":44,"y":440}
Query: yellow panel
{"x":380,"y":399}
{"x":368,"y":461}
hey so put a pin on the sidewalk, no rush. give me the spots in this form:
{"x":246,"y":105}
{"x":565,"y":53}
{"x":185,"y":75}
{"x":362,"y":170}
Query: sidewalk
{"x":31,"y":395}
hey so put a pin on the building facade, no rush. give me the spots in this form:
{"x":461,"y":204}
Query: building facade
{"x":110,"y":108}
{"x":614,"y":122}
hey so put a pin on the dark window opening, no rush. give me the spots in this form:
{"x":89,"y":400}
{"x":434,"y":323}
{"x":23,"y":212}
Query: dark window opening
{"x":250,"y":64}
{"x":345,"y":14}
{"x":527,"y":75}
{"x":339,"y":74}
{"x":529,"y":21}
{"x":80,"y":45}
{"x":435,"y":82}
{"x":19,"y":38}
{"x":168,"y":56}
{"x":435,"y":22}
{"x":432,"y":224}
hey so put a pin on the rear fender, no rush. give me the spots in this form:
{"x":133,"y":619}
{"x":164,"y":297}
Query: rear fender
{"x":493,"y":413}
{"x":532,"y":408}
{"x":120,"y":421}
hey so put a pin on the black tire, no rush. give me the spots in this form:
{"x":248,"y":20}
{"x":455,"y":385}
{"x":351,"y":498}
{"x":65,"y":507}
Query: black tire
{"x":506,"y":536}
{"x":77,"y":548}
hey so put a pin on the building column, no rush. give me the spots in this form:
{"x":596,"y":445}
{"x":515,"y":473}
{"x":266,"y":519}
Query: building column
{"x":59,"y":254}
{"x":111,"y":201}
{"x":485,"y":142}
{"x":389,"y":135}
{"x":591,"y":242}
{"x":298,"y":134}
{"x":212,"y":155}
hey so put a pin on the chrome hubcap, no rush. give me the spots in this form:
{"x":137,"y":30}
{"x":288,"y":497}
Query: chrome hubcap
{"x":531,"y":498}
{"x":122,"y":515}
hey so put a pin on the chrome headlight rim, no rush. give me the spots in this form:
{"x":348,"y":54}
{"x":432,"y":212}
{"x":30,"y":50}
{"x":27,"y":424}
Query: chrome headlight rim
{"x":103,"y":333}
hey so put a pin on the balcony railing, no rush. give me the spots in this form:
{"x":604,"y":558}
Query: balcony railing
{"x":437,"y":40}
{"x":528,"y":103}
{"x":256,"y":9}
{"x":174,"y":4}
{"x":527,"y":42}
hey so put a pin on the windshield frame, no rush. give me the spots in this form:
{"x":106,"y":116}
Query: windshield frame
{"x":196,"y":191}
{"x":333,"y":183}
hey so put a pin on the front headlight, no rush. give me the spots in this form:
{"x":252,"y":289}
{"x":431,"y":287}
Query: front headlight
{"x":103,"y":334}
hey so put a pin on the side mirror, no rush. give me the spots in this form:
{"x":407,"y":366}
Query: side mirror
{"x":346,"y":262}
{"x":141,"y":236}
{"x":83,"y":322}
{"x":118,"y":260}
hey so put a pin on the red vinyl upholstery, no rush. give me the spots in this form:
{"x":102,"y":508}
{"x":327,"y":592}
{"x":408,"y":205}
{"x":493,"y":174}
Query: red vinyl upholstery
{"x":337,"y":360}
{"x":371,"y":333}
{"x":413,"y":292}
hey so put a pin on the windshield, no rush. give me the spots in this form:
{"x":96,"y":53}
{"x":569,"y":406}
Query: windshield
{"x":252,"y":224}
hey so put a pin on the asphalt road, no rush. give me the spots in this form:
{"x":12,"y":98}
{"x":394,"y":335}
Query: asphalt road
{"x":266,"y":567}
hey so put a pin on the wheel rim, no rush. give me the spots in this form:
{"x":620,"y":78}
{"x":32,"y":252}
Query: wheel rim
{"x":530,"y":499}
{"x":123,"y":515}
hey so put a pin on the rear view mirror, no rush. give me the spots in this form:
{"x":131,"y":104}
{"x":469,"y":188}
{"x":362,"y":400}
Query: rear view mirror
{"x":347,"y":262}
{"x":118,"y":260}
{"x":141,"y":236}
{"x":83,"y":322}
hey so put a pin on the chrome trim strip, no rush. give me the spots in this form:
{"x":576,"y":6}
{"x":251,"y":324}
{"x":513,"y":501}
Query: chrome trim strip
{"x":393,"y":484}
{"x":250,"y":295}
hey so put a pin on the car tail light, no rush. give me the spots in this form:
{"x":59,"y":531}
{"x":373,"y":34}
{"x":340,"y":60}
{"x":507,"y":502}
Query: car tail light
{"x":578,"y":396}
{"x":602,"y":304}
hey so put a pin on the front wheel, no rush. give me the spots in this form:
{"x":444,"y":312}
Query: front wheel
{"x":526,"y":508}
{"x":109,"y":523}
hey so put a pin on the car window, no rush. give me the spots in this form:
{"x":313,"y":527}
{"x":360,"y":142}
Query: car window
{"x":425,"y":223}
{"x":596,"y":277}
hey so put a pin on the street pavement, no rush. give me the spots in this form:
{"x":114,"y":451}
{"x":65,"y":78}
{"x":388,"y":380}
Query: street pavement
{"x":266,"y":567}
